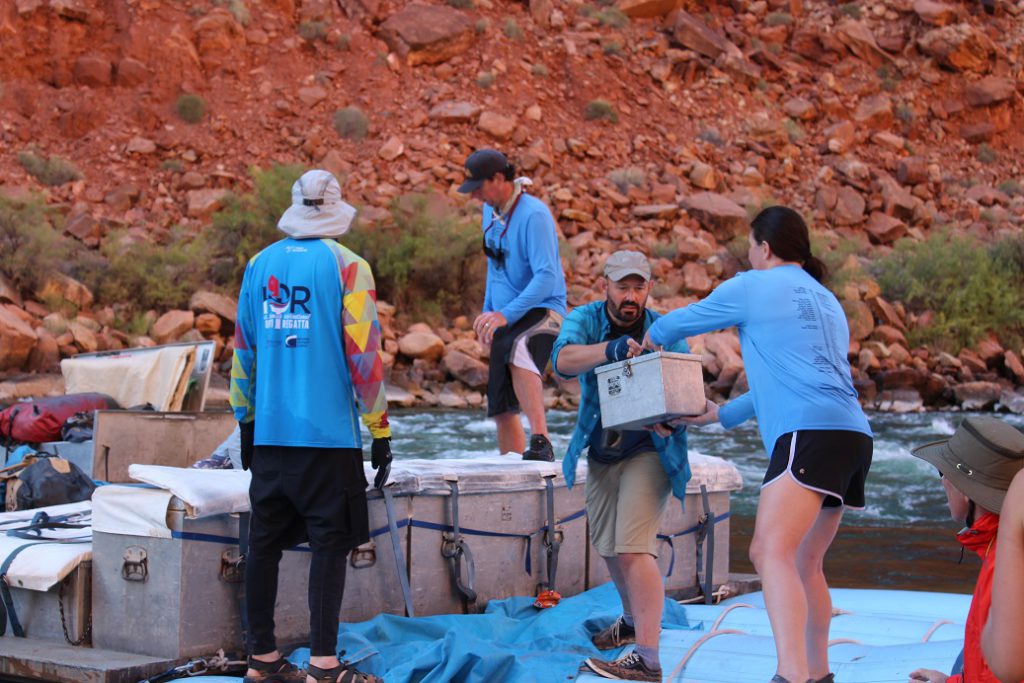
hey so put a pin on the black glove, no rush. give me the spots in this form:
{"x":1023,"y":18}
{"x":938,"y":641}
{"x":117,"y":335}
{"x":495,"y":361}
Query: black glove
{"x":380,"y":458}
{"x":248,"y":432}
{"x":617,"y":349}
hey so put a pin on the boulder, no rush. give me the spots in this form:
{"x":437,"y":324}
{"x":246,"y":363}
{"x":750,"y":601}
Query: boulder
{"x":859,"y":40}
{"x":692,"y":33}
{"x":427,"y":34}
{"x":801,"y":109}
{"x":171,"y":325}
{"x":67,"y":288}
{"x":875,"y":112}
{"x":220,"y":39}
{"x":140,"y":145}
{"x":312,"y":95}
{"x":465,"y":368}
{"x":391,"y":149}
{"x":718,"y":214}
{"x":85,"y":228}
{"x":84,"y":338}
{"x":900,"y":401}
{"x":885,"y":229}
{"x":977,"y":395}
{"x":1014,"y":366}
{"x":703,"y":176}
{"x":990,"y":90}
{"x":131,"y":73}
{"x":208,"y":324}
{"x":93,"y":71}
{"x":696,"y":279}
{"x":1013,"y":401}
{"x":884,"y":311}
{"x":935,"y":13}
{"x":454,"y":112}
{"x":646,"y":9}
{"x":496,"y":125}
{"x":426,"y":345}
{"x":8,"y":292}
{"x":17,"y":339}
{"x":449,"y":397}
{"x":45,"y":356}
{"x":860,"y":318}
{"x":202,"y":203}
{"x":839,"y":137}
{"x":224,"y":306}
{"x":849,"y":209}
{"x":960,"y":46}
{"x":890,"y":335}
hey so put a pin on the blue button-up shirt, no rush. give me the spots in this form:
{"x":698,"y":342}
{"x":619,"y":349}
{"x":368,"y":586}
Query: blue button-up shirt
{"x":589,"y":325}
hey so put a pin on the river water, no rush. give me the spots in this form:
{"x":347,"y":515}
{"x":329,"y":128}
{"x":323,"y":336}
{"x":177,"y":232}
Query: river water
{"x":904,"y":538}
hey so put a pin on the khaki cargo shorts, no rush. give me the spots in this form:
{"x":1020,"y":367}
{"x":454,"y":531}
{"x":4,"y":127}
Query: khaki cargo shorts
{"x":625,"y":503}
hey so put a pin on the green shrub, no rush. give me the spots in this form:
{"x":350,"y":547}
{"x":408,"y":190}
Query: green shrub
{"x":31,"y":249}
{"x":905,"y":113}
{"x":51,"y":171}
{"x":850,"y":9}
{"x":778,"y":19}
{"x":351,"y":123}
{"x":974,"y":289}
{"x":539,"y":69}
{"x":624,"y":178}
{"x":667,"y":250}
{"x":144,"y":275}
{"x":247,"y":224}
{"x":986,"y":154}
{"x":485,"y":79}
{"x":238,"y":10}
{"x":1011,"y":188}
{"x":313,"y":30}
{"x":461,"y":4}
{"x":190,"y":108}
{"x":172,"y":165}
{"x":612,"y":17}
{"x":482,"y":25}
{"x":612,"y":48}
{"x":600,"y":109}
{"x":794,"y":130}
{"x":428,"y":263}
{"x":343,"y":42}
{"x":512,"y":30}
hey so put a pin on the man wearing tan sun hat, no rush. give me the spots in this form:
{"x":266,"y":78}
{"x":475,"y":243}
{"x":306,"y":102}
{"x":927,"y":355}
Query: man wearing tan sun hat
{"x":977,"y":465}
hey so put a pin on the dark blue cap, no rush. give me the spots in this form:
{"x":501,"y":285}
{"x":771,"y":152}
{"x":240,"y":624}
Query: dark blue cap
{"x":482,"y":165}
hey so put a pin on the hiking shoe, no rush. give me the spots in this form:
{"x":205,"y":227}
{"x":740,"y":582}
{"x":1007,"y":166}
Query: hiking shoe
{"x":277,"y":671}
{"x":626,"y":668}
{"x":618,"y":634}
{"x":540,"y":449}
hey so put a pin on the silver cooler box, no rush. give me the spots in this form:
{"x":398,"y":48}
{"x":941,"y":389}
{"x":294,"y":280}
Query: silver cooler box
{"x":39,"y":612}
{"x":649,"y":389}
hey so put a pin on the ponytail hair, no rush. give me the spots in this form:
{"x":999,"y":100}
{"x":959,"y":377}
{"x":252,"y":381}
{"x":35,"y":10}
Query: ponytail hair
{"x":786,"y":233}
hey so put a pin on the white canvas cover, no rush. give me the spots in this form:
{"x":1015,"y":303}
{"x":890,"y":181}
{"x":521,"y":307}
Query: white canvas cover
{"x":154,"y":376}
{"x":40,"y":567}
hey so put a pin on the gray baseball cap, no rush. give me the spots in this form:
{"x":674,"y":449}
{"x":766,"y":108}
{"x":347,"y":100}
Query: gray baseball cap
{"x":624,"y":263}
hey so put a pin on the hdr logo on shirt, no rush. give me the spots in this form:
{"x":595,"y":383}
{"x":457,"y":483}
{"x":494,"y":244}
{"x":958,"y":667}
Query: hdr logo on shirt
{"x":284,"y":308}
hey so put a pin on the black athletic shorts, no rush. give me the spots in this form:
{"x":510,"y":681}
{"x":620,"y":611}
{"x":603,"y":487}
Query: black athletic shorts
{"x":308,"y":494}
{"x":830,"y":461}
{"x":540,"y":328}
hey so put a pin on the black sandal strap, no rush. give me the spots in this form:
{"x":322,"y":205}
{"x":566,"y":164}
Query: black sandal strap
{"x":346,"y":673}
{"x":278,"y":666}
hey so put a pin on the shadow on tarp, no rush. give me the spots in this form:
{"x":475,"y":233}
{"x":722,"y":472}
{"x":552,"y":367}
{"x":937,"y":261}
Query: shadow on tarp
{"x":511,"y":641}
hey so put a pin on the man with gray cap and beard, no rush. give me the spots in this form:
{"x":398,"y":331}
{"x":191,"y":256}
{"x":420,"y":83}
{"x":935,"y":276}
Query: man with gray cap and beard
{"x":307,"y":358}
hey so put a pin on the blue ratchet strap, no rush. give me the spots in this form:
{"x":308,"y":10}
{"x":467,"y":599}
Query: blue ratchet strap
{"x":396,"y":546}
{"x":693,"y":529}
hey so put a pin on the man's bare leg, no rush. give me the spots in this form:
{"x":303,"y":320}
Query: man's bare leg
{"x":530,"y":391}
{"x":511,"y":437}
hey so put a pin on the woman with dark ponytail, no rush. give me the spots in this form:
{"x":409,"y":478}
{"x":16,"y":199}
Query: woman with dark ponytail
{"x":795,"y":339}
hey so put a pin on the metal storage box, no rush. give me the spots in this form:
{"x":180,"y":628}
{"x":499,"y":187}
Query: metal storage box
{"x":649,"y":389}
{"x":180,"y":596}
{"x":502,"y":506}
{"x":39,"y":612}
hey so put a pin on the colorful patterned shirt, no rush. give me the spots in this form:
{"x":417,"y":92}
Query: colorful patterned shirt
{"x":308,"y":347}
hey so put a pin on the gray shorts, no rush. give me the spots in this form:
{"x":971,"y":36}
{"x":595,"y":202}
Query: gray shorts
{"x":625,"y":504}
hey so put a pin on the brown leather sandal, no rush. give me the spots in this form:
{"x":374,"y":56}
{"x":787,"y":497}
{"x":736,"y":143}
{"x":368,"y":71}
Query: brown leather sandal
{"x":343,"y":673}
{"x":278,"y":671}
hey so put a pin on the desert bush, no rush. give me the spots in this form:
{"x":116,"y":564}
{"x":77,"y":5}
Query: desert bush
{"x":850,"y":9}
{"x":51,"y":170}
{"x":343,"y":42}
{"x":247,"y":224}
{"x":485,"y":79}
{"x":512,"y":30}
{"x":313,"y":30}
{"x":1011,"y":188}
{"x":461,"y":4}
{"x":973,"y":288}
{"x":190,"y":108}
{"x":144,"y":275}
{"x":612,"y":48}
{"x":600,"y":109}
{"x":778,"y":19}
{"x":612,"y":17}
{"x":351,"y":123}
{"x":239,"y":10}
{"x":482,"y":26}
{"x":539,"y":69}
{"x":986,"y":154}
{"x":624,"y":178}
{"x":794,"y":131}
{"x":428,"y":262}
{"x":31,"y":248}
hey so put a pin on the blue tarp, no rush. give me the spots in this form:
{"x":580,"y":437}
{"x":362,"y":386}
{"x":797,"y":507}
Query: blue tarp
{"x":511,"y":641}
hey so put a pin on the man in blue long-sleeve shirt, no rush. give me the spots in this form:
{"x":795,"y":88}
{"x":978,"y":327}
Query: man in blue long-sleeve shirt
{"x":524,"y":302}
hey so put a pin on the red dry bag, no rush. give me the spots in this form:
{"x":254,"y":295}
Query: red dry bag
{"x":40,"y":420}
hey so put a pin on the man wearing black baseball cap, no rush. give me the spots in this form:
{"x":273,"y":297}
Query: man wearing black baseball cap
{"x":524,"y":301}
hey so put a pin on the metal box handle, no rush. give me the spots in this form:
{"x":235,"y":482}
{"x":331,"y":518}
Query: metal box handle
{"x":136,"y":564}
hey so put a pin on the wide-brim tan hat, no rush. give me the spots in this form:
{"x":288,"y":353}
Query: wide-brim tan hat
{"x":317,"y":209}
{"x":980,"y":459}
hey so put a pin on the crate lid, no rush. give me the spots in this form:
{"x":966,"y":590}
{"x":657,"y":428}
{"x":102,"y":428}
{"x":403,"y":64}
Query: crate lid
{"x":649,"y":358}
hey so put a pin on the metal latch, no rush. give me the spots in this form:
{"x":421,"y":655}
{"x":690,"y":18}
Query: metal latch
{"x":364,"y":556}
{"x":232,"y":566}
{"x":136,"y":564}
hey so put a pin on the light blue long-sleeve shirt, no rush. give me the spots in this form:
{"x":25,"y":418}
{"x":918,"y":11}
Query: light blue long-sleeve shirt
{"x":794,"y":337}
{"x":531,"y":275}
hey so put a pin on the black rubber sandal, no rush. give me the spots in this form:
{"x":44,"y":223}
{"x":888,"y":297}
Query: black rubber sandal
{"x":343,"y":673}
{"x":278,"y":671}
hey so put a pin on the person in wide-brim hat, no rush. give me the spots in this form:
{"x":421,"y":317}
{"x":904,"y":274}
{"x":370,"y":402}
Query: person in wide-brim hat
{"x":978,"y":463}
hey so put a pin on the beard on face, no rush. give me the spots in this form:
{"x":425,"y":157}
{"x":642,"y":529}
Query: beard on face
{"x":627,"y":312}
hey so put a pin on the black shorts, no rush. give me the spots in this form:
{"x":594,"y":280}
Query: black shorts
{"x":308,"y":494}
{"x":830,"y":461}
{"x":540,"y":328}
